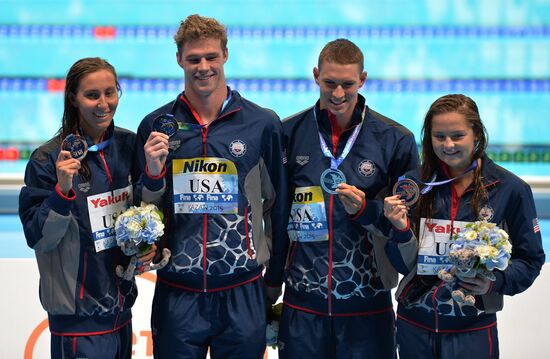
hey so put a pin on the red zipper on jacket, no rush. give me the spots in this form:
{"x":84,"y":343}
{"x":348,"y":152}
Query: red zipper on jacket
{"x":85,"y":259}
{"x":204,"y":134}
{"x":107,"y":171}
{"x":455,"y":200}
{"x":436,"y":317}
{"x":335,"y":137}
{"x":204,"y":131}
{"x":204,"y":241}
{"x":336,"y":132}
{"x":329,"y":292}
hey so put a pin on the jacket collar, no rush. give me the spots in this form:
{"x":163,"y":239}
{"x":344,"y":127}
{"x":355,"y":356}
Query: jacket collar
{"x":233,"y":105}
{"x":108,"y":134}
{"x":323,"y":119}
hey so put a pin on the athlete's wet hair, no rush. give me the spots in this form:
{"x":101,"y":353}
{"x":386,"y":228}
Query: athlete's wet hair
{"x":463,"y":105}
{"x":196,"y":27}
{"x":71,"y":117}
{"x":343,"y":52}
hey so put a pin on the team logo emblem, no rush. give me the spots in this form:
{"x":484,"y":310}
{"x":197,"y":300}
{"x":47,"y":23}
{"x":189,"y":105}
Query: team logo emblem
{"x":237,"y":148}
{"x":302,"y":160}
{"x":486,"y":213}
{"x":367,"y":168}
{"x":174,"y":144}
{"x":84,"y":187}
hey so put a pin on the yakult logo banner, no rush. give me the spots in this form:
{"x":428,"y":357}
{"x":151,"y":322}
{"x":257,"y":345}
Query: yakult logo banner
{"x":435,"y":241}
{"x":103,"y":209}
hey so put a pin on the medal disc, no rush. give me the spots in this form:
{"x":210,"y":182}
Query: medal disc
{"x":331,"y":178}
{"x":166,"y":124}
{"x":408,"y":191}
{"x":76,"y":145}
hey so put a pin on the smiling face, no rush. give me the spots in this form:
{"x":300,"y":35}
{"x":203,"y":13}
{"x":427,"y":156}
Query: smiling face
{"x":339,"y":85}
{"x":96,"y":100}
{"x":202,"y":61}
{"x":453,"y":141}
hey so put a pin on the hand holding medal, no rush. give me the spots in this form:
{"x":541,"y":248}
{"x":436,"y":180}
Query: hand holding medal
{"x":396,"y":211}
{"x":67,"y":164}
{"x":406,"y":193}
{"x":351,"y":197}
{"x":156,"y":148}
{"x":331,"y":179}
{"x":407,"y":190}
{"x":166,"y":124}
{"x":76,"y":146}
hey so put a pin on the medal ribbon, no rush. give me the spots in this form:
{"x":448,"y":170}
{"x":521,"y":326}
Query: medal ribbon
{"x":334,"y":163}
{"x":430,"y":185}
{"x":99,"y":146}
{"x":184,"y":126}
{"x":95,"y":148}
{"x":229,"y":96}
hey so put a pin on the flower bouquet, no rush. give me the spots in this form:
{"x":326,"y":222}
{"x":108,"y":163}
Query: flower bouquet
{"x":477,"y":250}
{"x":136,"y":230}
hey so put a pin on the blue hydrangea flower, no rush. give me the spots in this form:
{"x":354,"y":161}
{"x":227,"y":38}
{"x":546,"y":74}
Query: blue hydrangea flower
{"x":140,"y":225}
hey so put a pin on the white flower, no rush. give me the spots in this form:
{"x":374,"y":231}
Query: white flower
{"x":483,"y":251}
{"x":507,"y":247}
{"x":503,"y":234}
{"x":133,"y":227}
{"x":489,"y":225}
{"x":470,"y":235}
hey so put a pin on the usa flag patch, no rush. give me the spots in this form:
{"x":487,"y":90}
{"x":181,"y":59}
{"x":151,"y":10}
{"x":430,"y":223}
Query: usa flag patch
{"x":536,"y":227}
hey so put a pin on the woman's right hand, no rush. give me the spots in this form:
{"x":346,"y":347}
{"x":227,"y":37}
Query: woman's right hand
{"x":156,"y":152}
{"x":395,"y":211}
{"x":66,"y":168}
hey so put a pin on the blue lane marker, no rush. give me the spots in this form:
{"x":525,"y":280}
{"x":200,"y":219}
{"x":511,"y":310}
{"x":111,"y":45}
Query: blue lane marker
{"x":14,"y":245}
{"x":307,"y":85}
{"x":278,"y":32}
